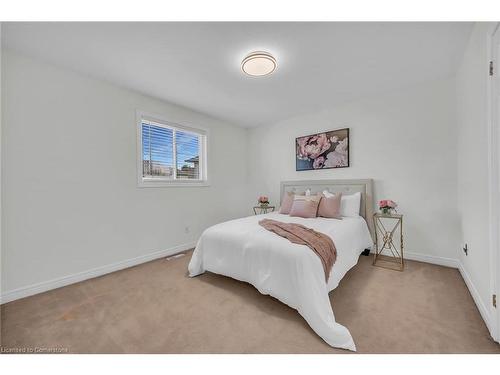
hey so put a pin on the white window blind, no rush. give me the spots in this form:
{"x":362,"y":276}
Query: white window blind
{"x":171,"y":153}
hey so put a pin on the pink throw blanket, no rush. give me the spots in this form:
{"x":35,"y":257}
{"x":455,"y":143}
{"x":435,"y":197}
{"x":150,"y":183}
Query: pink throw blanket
{"x":318,"y":242}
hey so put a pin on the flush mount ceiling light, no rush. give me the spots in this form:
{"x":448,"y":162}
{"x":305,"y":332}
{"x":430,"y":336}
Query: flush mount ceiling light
{"x":258,"y":63}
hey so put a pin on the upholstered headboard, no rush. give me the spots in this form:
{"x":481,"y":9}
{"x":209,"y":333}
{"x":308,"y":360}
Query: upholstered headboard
{"x":364,"y":186}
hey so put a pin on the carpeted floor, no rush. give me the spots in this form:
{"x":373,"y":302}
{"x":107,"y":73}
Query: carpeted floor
{"x":156,"y":308}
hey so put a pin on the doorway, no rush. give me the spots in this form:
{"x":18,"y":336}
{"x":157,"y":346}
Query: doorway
{"x":494,"y":168}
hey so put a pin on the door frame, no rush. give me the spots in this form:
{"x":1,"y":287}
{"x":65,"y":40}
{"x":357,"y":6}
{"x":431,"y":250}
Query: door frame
{"x":493,"y":124}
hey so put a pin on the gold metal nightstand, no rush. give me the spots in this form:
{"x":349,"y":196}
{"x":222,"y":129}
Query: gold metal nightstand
{"x":384,"y":240}
{"x":263,"y":209}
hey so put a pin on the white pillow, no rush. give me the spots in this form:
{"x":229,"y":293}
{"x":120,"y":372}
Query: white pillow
{"x":349,"y":204}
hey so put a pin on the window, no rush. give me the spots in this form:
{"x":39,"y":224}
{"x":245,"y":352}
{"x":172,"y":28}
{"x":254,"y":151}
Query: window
{"x":170,"y":154}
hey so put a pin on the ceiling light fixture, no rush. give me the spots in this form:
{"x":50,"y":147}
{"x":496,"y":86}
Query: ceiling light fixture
{"x":258,"y":63}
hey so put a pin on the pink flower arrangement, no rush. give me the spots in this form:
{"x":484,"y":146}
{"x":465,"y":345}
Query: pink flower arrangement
{"x":263,"y":199}
{"x":386,"y":205}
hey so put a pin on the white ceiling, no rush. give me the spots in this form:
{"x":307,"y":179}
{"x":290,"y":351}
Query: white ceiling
{"x":198,"y":64}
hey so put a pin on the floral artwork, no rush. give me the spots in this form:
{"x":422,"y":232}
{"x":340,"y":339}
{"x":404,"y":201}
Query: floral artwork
{"x":323,"y":150}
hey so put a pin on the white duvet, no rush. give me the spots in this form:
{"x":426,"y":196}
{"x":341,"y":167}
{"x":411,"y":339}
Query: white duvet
{"x":292,"y":273}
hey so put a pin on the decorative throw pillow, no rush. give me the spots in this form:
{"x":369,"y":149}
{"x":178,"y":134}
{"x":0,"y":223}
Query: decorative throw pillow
{"x":330,"y":206}
{"x":286,"y":205}
{"x":305,"y":206}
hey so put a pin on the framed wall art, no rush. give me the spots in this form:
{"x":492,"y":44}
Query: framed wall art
{"x":322,"y":150}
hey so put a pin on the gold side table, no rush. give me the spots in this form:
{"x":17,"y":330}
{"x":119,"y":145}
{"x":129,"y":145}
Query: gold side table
{"x":387,"y":228}
{"x":263,"y":209}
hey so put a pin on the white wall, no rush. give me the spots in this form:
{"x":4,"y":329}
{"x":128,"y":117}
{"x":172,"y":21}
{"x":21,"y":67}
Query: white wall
{"x":405,"y":140}
{"x":70,"y":196}
{"x":472,"y":155}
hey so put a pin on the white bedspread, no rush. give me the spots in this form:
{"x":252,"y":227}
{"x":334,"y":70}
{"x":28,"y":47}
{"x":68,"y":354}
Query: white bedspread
{"x":292,"y":273}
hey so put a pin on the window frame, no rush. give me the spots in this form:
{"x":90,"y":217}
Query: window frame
{"x":165,"y":182}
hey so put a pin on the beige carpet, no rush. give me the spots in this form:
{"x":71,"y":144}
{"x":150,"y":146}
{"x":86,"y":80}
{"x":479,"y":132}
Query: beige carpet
{"x":156,"y":308}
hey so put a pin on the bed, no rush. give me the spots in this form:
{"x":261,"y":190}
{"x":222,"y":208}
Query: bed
{"x":292,"y":273}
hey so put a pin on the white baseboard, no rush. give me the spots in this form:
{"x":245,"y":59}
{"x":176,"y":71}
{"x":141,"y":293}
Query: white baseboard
{"x":476,"y":297}
{"x":441,"y":261}
{"x":44,"y":286}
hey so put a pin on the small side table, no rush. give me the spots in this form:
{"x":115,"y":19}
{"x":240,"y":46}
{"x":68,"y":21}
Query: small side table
{"x":386,"y":238}
{"x":263,"y":209}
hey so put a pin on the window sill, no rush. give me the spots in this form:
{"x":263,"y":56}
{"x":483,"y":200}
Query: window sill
{"x":147,"y":183}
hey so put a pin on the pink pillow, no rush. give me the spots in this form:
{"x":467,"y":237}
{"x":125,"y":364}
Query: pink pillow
{"x":286,"y":205}
{"x":330,"y":206}
{"x":305,"y":206}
